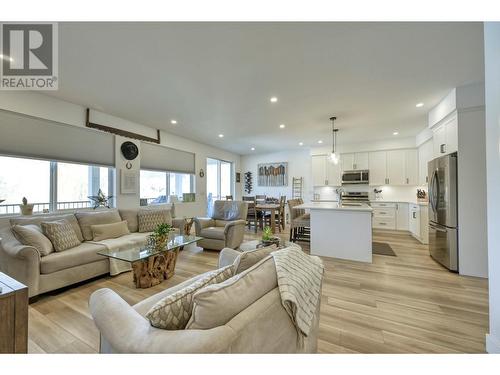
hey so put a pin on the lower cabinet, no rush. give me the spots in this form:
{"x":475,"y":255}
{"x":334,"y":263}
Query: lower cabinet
{"x":419,"y":223}
{"x":402,"y":216}
{"x":384,"y":215}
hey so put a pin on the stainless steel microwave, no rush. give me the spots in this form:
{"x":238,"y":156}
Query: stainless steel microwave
{"x":355,"y":177}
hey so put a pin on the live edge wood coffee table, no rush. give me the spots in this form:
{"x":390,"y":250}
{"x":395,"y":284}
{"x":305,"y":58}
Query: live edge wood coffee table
{"x":151,"y":266}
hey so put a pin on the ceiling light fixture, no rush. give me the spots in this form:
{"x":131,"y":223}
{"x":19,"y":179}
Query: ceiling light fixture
{"x":301,"y":143}
{"x":273,"y":99}
{"x":320,"y":141}
{"x":395,"y":133}
{"x":221,"y":135}
{"x":418,"y":105}
{"x":173,"y":122}
{"x":253,"y":149}
{"x":282,"y":126}
{"x":4,"y":57}
{"x":334,"y":155}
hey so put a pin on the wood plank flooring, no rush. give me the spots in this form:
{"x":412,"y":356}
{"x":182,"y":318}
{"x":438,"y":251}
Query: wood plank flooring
{"x":403,"y":304}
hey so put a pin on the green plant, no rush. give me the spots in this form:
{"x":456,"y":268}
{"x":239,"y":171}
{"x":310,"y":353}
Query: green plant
{"x":267,"y":234}
{"x":160,"y":235}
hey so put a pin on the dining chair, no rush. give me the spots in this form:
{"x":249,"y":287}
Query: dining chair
{"x":253,"y":216}
{"x":229,"y":197}
{"x":260,"y":199}
{"x":300,"y":222}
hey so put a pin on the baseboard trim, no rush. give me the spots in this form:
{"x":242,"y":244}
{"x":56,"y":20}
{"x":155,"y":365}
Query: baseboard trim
{"x":492,"y":344}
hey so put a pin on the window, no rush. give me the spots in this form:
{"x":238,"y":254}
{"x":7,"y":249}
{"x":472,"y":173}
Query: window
{"x":157,"y":187}
{"x":219,"y":181}
{"x":50,"y":185}
{"x":24,"y":178}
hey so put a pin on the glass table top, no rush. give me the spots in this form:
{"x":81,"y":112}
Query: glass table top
{"x":141,"y":252}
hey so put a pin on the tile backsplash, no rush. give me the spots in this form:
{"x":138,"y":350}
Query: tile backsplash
{"x":396,"y":193}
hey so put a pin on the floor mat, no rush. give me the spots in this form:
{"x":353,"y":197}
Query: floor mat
{"x":382,"y":248}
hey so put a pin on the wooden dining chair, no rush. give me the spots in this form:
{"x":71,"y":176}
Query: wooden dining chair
{"x":252,"y":213}
{"x":229,"y":197}
{"x":260,"y":199}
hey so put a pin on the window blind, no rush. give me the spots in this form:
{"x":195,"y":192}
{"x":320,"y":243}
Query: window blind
{"x":161,"y":158}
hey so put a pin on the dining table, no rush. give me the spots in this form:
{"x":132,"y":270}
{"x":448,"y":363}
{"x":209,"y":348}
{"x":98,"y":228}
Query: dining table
{"x":272,"y":208}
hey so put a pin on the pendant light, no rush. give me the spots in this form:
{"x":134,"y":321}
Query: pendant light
{"x":334,"y":156}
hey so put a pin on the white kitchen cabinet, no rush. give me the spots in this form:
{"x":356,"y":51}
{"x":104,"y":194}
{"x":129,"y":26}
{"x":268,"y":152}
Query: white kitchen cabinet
{"x":414,"y":220}
{"x":377,"y":162}
{"x":402,"y":210}
{"x":333,"y":173}
{"x":396,"y":167}
{"x":354,"y":161}
{"x":445,"y":136}
{"x":425,"y":154}
{"x":319,"y":170}
{"x":424,"y":225}
{"x":325,"y":173}
{"x":384,"y":215}
{"x":411,"y":168}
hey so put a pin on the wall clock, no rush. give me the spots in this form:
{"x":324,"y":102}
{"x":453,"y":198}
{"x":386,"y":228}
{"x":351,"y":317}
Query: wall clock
{"x":129,"y":150}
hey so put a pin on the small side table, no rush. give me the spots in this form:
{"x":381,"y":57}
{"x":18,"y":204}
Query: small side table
{"x":13,"y":315}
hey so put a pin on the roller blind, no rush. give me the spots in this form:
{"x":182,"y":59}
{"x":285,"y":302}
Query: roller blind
{"x":155,"y":157}
{"x":26,"y":136}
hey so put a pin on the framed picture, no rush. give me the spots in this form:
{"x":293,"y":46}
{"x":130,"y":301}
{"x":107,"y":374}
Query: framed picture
{"x":272,"y":174}
{"x":238,"y":177}
{"x":128,"y":181}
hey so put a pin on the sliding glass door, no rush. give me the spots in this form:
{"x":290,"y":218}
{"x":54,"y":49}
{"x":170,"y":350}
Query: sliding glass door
{"x":219,"y":180}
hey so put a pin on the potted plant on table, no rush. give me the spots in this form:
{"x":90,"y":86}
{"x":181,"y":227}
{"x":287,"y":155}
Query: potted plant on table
{"x":160,"y":236}
{"x":268,"y":238}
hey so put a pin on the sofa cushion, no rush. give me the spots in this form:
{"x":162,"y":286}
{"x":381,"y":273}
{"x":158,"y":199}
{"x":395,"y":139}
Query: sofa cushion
{"x":39,"y":218}
{"x":248,"y":258}
{"x":31,"y":235}
{"x":61,"y":234}
{"x":149,"y":219}
{"x":88,"y":218}
{"x":173,"y":311}
{"x":125,"y":241}
{"x":131,"y":217}
{"x":213,"y":233}
{"x":106,"y":231}
{"x":215,"y":305}
{"x":83,"y":254}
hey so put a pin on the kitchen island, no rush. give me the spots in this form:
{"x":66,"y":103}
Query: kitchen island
{"x":341,"y":230}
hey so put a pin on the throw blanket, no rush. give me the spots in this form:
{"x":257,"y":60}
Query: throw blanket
{"x":299,"y":282}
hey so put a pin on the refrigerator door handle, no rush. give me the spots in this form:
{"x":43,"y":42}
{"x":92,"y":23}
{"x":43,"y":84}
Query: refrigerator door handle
{"x":439,"y":229}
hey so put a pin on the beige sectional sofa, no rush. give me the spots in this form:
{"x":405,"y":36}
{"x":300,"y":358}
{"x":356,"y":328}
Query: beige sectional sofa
{"x":59,"y":269}
{"x":263,"y":326}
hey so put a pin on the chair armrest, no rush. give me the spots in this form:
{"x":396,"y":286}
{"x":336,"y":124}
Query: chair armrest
{"x":203,"y":222}
{"x":20,"y":251}
{"x":22,"y":263}
{"x":227,"y":256}
{"x":126,"y":331}
{"x":234,"y":233}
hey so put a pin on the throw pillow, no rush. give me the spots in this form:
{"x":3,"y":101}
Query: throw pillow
{"x":106,"y":231}
{"x":215,"y":305}
{"x":61,"y":234}
{"x":173,"y":312}
{"x":88,"y":218}
{"x":150,"y":219}
{"x":250,"y":257}
{"x":31,"y":235}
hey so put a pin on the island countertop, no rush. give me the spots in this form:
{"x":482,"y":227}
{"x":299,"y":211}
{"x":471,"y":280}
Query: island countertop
{"x":335,"y":206}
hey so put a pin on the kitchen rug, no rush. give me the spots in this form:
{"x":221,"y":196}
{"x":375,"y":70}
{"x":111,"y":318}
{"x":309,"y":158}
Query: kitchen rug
{"x":382,"y":248}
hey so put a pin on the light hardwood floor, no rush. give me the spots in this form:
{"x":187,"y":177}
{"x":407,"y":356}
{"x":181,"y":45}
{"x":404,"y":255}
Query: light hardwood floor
{"x":403,"y":304}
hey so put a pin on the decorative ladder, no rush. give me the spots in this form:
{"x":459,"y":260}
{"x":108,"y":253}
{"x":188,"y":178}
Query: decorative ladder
{"x":297,"y":184}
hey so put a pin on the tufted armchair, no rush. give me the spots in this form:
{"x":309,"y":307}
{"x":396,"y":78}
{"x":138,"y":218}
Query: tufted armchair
{"x":225,"y":228}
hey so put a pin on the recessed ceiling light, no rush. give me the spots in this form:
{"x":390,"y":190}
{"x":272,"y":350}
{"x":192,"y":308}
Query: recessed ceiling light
{"x":273,"y":99}
{"x":395,"y":133}
{"x":418,"y":105}
{"x":173,"y":122}
{"x":301,"y":143}
{"x":320,"y":141}
{"x":282,"y":126}
{"x":221,"y":135}
{"x":253,"y":149}
{"x":3,"y":57}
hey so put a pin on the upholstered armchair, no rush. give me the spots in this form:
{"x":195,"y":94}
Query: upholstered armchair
{"x":225,"y":228}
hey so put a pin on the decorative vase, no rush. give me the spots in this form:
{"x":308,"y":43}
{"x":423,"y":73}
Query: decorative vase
{"x":26,"y":209}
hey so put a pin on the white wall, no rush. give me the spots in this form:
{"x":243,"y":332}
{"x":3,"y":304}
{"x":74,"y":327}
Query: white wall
{"x":492,"y":99}
{"x":299,"y":165}
{"x":49,"y":108}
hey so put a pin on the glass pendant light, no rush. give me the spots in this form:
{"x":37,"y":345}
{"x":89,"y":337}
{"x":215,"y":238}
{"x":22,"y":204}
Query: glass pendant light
{"x":334,"y":155}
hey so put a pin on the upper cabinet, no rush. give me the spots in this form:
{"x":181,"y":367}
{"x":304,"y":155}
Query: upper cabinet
{"x":395,"y":167}
{"x":354,"y":161}
{"x":445,"y":136}
{"x":325,"y":173}
{"x":425,"y":154}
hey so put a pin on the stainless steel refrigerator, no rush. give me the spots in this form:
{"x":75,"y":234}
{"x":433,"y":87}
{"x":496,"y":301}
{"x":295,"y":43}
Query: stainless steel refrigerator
{"x":443,"y":211}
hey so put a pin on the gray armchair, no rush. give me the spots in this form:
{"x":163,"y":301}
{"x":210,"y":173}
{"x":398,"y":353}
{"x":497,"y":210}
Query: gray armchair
{"x":225,"y":228}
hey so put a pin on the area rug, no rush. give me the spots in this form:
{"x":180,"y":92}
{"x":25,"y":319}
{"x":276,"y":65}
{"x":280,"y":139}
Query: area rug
{"x":382,"y":248}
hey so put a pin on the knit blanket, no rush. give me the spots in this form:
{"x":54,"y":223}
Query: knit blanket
{"x":299,"y":282}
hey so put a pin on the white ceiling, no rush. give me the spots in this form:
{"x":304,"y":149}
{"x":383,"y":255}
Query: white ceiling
{"x":218,"y":77}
